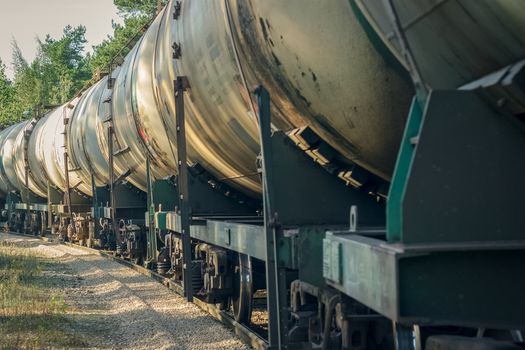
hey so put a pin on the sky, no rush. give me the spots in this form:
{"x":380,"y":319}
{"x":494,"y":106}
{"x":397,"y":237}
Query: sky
{"x":24,"y":20}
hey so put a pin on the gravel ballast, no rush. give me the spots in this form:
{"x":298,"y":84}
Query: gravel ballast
{"x":115,"y":307}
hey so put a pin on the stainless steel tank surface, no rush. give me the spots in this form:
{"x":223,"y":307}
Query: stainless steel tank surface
{"x":314,"y":57}
{"x":8,"y":155}
{"x":6,"y":148}
{"x":77,"y":179}
{"x":220,"y":125}
{"x":84,"y":151}
{"x":34,"y":179}
{"x":338,"y":84}
{"x":46,"y":150}
{"x":49,"y":147}
{"x":323,"y":70}
{"x":475,"y":38}
{"x":128,"y":107}
{"x":36,"y":148}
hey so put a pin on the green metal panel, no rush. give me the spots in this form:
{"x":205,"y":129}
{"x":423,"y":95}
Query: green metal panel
{"x":479,"y":287}
{"x":455,"y":246}
{"x":54,"y":195}
{"x":301,"y":248}
{"x":295,"y":178}
{"x":394,"y":207}
{"x":466,"y":178}
{"x":160,"y":220}
{"x":363,"y":268}
{"x":246,"y":239}
{"x":39,"y":207}
{"x":306,"y":254}
{"x":99,"y":212}
{"x":332,"y":259}
{"x":165,"y":194}
{"x":456,"y":172}
{"x":130,"y":202}
{"x":21,"y":206}
{"x":474,"y":285}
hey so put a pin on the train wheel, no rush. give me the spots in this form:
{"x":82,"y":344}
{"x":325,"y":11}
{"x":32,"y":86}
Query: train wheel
{"x":241,"y":299}
{"x":408,"y":338}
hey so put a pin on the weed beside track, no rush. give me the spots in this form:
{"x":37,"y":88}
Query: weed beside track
{"x":32,"y":306}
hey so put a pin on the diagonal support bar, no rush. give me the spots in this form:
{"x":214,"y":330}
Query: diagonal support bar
{"x":274,"y":275}
{"x":181,"y":84}
{"x":152,"y":239}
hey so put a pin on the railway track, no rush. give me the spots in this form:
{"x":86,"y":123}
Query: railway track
{"x":249,"y":336}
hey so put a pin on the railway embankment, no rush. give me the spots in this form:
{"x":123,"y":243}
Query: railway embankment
{"x":56,"y":296}
{"x":33,"y":310}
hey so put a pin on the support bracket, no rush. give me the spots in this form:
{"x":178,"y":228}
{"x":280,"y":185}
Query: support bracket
{"x":181,"y":84}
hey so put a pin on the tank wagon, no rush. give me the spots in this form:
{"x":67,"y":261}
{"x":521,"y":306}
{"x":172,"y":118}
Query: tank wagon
{"x":357,"y":163}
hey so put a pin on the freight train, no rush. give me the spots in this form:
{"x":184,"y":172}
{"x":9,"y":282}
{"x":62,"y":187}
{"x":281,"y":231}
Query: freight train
{"x":359,"y":162}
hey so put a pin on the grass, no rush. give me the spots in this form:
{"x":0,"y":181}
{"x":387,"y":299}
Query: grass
{"x":32,"y":310}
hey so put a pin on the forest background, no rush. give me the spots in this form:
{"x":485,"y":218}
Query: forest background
{"x":62,"y":67}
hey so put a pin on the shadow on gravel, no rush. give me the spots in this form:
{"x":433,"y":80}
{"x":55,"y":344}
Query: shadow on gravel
{"x":37,"y":332}
{"x":113,"y":307}
{"x":32,"y":305}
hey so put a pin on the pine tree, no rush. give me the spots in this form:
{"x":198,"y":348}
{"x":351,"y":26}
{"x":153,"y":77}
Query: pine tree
{"x":7,"y":97}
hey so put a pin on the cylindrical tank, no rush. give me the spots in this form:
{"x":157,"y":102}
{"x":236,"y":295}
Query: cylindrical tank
{"x":36,"y":180}
{"x":84,"y":151}
{"x":475,"y":38}
{"x":221,"y":126}
{"x":5,"y":145}
{"x":46,"y":153}
{"x":8,"y":159}
{"x":77,"y":181}
{"x":46,"y":149}
{"x":35,"y":158}
{"x":324,"y":70}
{"x":129,"y":107}
{"x":314,"y":58}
